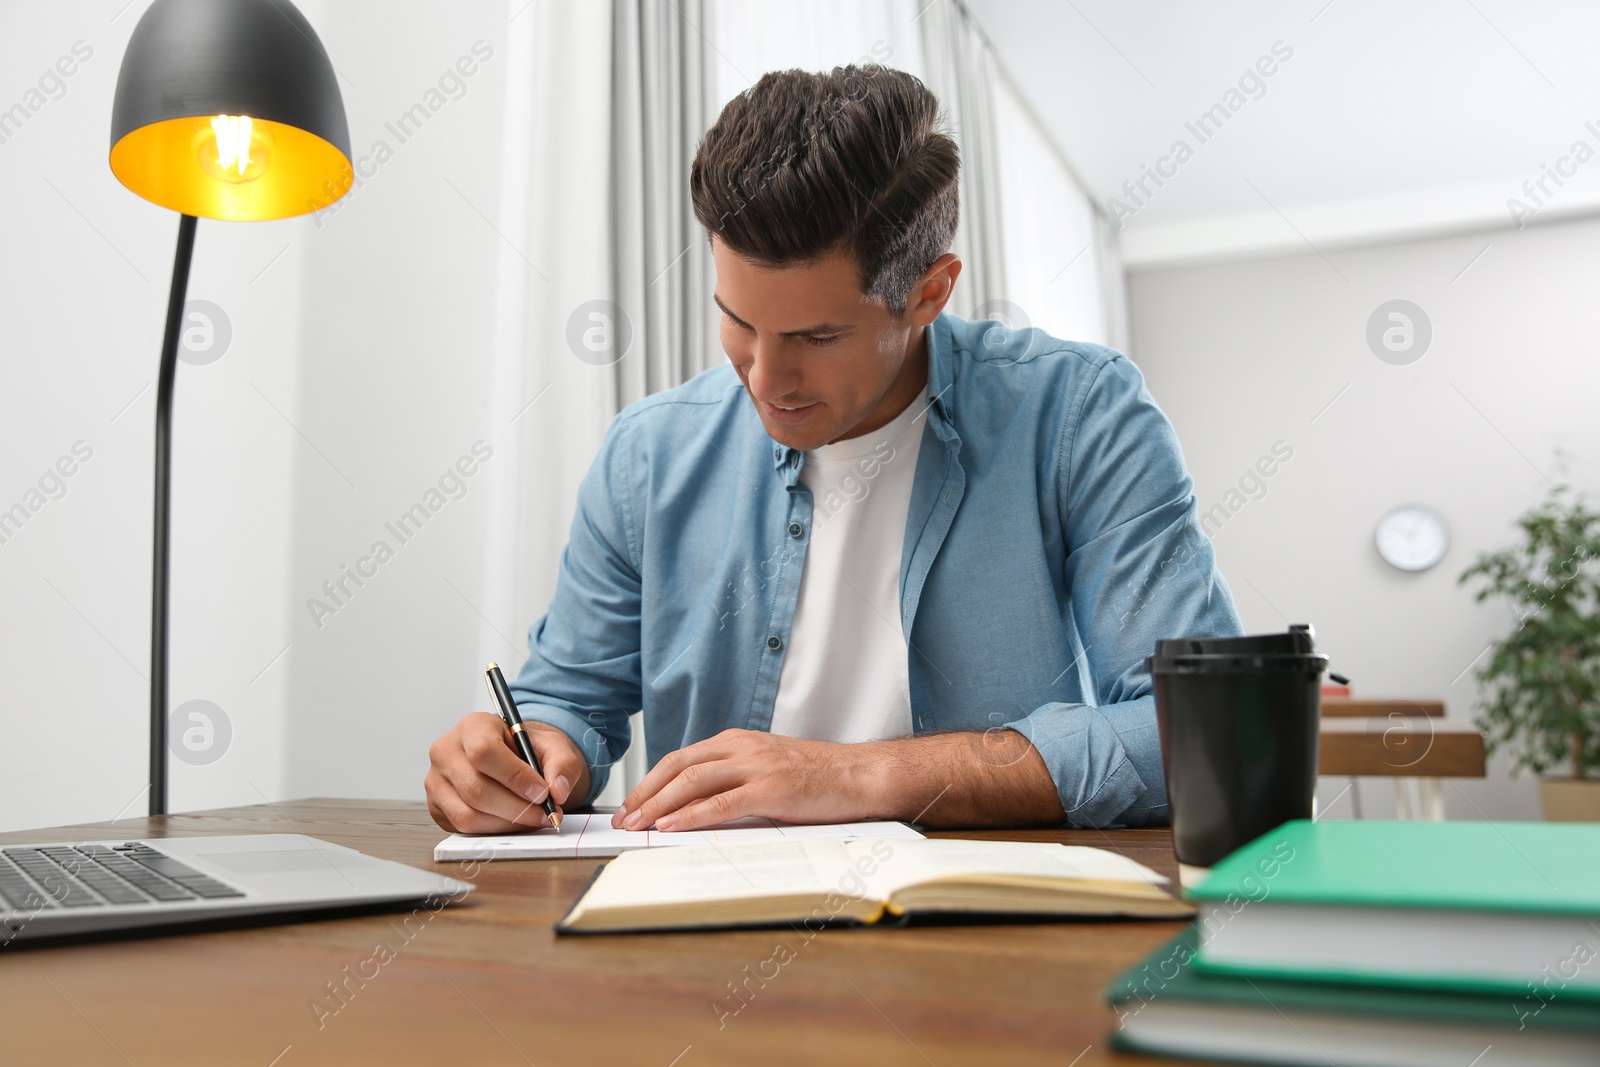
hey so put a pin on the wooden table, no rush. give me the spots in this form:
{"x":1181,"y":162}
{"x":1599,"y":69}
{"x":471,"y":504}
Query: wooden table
{"x":486,"y":982}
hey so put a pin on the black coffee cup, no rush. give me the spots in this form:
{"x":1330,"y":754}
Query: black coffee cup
{"x":1239,"y":720}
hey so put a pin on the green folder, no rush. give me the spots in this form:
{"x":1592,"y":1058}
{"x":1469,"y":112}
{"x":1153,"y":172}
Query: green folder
{"x":1165,"y":1005}
{"x":1497,"y":907}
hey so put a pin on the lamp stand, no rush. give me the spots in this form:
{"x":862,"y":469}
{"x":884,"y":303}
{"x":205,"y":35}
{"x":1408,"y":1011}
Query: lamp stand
{"x":163,"y":508}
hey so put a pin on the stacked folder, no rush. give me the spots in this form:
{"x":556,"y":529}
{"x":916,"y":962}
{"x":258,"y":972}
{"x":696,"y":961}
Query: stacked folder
{"x":1398,"y":943}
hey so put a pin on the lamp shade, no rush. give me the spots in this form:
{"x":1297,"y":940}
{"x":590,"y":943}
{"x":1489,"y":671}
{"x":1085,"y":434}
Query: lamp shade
{"x":229,"y":109}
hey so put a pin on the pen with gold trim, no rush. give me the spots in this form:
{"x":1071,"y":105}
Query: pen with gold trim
{"x":508,"y":712}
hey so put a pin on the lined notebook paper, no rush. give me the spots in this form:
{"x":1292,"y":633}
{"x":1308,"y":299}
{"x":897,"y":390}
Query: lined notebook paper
{"x":584,"y":836}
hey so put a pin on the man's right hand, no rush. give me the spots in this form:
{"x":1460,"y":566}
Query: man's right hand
{"x":478,"y":784}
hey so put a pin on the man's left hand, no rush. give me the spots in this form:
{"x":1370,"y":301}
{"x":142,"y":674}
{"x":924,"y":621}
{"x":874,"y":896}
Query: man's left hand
{"x":740,"y":773}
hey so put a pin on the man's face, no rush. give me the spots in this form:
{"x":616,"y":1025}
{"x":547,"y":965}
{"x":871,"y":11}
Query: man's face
{"x":816,"y":356}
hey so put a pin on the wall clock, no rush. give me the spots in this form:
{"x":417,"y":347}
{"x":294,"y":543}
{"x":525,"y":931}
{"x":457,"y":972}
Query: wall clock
{"x":1412,"y":538}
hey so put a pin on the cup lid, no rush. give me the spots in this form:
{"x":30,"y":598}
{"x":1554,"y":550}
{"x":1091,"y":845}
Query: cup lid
{"x":1299,"y":639}
{"x":1293,"y":650}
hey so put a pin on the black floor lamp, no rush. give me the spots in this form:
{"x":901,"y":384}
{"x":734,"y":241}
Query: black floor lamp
{"x":225,"y":109}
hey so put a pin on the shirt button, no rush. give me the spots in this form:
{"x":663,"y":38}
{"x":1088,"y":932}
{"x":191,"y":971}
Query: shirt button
{"x":774,"y":643}
{"x":795,"y":529}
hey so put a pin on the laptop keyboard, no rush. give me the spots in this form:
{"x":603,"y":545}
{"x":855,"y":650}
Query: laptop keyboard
{"x":34,"y":878}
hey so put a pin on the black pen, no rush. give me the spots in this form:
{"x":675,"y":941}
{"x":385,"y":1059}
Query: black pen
{"x":508,"y":712}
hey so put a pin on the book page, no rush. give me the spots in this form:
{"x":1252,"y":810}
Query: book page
{"x":888,"y":866}
{"x":779,"y":867}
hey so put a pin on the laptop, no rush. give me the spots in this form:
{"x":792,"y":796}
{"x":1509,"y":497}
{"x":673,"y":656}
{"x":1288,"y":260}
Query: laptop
{"x":71,"y":889}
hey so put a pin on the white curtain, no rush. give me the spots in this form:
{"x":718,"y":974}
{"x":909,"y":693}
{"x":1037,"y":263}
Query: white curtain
{"x":1034,"y":245}
{"x":663,"y":89}
{"x":1113,"y":280}
{"x":757,"y":36}
{"x":1056,"y":265}
{"x":963,"y":74}
{"x":604,"y":290}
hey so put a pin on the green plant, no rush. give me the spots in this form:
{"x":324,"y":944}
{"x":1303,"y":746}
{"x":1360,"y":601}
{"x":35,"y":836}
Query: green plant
{"x":1541,"y":683}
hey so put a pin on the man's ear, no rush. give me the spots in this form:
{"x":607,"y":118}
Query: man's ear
{"x":932,"y":292}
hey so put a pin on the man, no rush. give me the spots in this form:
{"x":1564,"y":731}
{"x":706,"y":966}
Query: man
{"x":888,"y":563}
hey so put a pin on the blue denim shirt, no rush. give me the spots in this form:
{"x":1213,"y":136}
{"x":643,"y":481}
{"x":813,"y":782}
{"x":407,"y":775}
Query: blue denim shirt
{"x":1051,"y":539}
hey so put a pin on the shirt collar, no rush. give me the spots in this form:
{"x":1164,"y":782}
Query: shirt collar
{"x":941,"y":376}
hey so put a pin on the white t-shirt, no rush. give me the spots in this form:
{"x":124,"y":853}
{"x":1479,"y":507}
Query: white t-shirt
{"x":845,"y":672}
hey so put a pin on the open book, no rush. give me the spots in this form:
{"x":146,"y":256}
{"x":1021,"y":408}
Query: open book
{"x":817,"y":881}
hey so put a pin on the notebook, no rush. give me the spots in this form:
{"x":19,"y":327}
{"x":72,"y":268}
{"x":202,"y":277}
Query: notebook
{"x":588,"y":836}
{"x":1166,"y":1006}
{"x":1466,"y":905}
{"x":819,"y":881}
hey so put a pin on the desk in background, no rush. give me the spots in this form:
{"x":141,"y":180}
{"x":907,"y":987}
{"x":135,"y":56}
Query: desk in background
{"x":1400,"y":739}
{"x":468,"y":986}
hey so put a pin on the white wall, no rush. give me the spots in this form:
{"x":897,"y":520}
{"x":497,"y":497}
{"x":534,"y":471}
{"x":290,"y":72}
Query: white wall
{"x":396,"y":362}
{"x":1245,"y":354}
{"x":84,"y":273}
{"x":357,"y":373}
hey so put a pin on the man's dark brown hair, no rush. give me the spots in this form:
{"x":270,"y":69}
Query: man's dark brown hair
{"x":800,"y":165}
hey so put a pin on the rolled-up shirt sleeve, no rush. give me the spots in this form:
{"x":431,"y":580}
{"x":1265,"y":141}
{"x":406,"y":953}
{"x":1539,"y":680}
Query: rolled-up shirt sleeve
{"x":1138,"y":568}
{"x":582,"y":674}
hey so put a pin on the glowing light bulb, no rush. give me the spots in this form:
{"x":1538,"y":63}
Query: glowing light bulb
{"x":233,"y":142}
